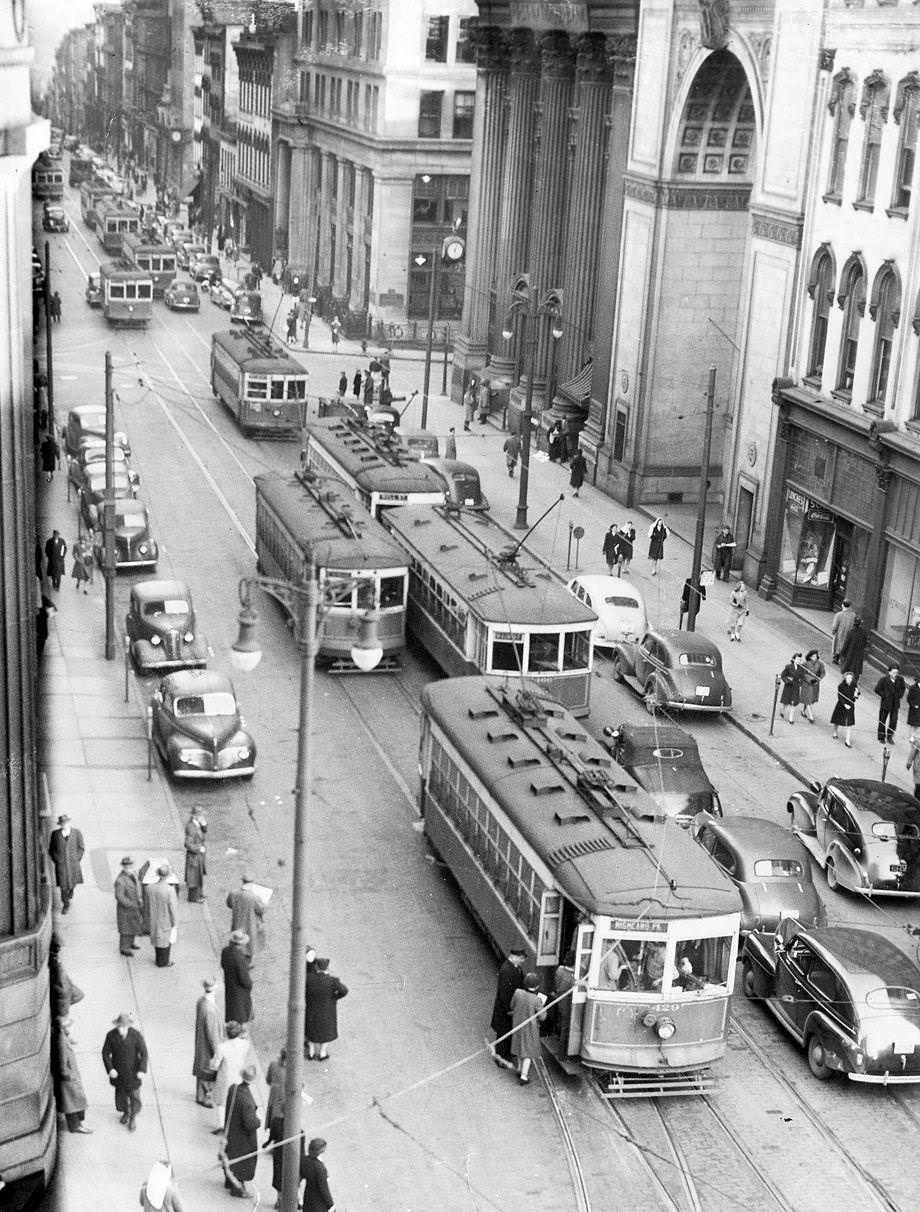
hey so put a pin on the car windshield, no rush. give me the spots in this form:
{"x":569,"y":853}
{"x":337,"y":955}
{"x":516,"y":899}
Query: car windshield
{"x":894,"y":997}
{"x":790,"y":869}
{"x":175,"y":606}
{"x":696,"y":658}
{"x":220,"y":702}
{"x":618,"y":600}
{"x":132,"y":519}
{"x":896,"y":831}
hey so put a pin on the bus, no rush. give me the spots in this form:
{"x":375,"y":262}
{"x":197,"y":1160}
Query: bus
{"x":261,"y":385}
{"x":92,"y":192}
{"x":155,"y":258}
{"x":116,"y":218}
{"x":47,"y":180}
{"x":127,"y":294}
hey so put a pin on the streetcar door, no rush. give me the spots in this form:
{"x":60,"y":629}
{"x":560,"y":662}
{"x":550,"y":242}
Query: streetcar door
{"x":584,"y":945}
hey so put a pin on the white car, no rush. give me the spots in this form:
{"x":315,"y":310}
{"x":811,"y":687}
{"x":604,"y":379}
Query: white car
{"x":619,"y":607}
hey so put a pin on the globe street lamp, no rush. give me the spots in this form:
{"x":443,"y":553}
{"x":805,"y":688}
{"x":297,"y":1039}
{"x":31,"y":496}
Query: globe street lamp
{"x":311,"y":603}
{"x":524,"y":300}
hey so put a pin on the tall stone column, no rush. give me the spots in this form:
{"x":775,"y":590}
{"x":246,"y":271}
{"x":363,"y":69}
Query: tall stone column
{"x":584,"y":211}
{"x":301,"y":208}
{"x":485,"y":200}
{"x":517,"y":184}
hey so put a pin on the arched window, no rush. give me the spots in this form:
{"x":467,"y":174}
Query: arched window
{"x":873,"y":109}
{"x":906,"y":113}
{"x":852,"y":299}
{"x":821,"y":289}
{"x":885,"y":310}
{"x":842,"y":105}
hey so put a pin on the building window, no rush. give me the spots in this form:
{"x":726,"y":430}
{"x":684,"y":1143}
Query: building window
{"x":436,"y":39}
{"x":464,"y":104}
{"x":906,"y":114}
{"x":369,"y":191}
{"x":852,"y":299}
{"x":308,"y":28}
{"x":873,"y":109}
{"x":429,"y":115}
{"x":323,"y":28}
{"x":350,"y":175}
{"x":885,"y":310}
{"x":333,"y":178}
{"x":842,"y":105}
{"x":357,"y":35}
{"x":821,"y":289}
{"x":340,"y":47}
{"x":466,"y":50}
{"x":620,"y":425}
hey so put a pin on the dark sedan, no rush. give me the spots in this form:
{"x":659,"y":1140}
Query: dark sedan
{"x":161,"y":628}
{"x":665,"y":761}
{"x":197,"y":728}
{"x":54,"y":218}
{"x":182,"y":296}
{"x":134,"y":544}
{"x":674,"y":670}
{"x":92,"y":492}
{"x":223,"y":294}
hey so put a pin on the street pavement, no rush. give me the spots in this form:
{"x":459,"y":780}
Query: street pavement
{"x":95,"y":756}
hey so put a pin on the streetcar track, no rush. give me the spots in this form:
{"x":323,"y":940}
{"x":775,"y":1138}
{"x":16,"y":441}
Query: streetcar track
{"x":573,"y":1160}
{"x":775,"y":1192}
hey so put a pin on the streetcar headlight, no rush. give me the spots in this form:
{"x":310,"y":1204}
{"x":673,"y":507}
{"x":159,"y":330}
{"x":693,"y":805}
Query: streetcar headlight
{"x":155,"y":640}
{"x":665,"y":1028}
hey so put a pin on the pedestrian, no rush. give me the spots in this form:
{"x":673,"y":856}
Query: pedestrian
{"x":163,"y":907}
{"x":124,"y":1055}
{"x":512,"y":448}
{"x":343,"y":383}
{"x":469,"y":405}
{"x":316,"y":1194}
{"x":241,"y":1145}
{"x":696,"y":593}
{"x":578,"y":465}
{"x":235,"y":964}
{"x":160,"y":1192}
{"x":196,"y":832}
{"x":209,"y":1035}
{"x":913,"y":706}
{"x":233,"y":1054}
{"x":50,"y":455}
{"x":65,"y":847}
{"x":627,"y":546}
{"x":68,"y":1085}
{"x":450,"y":446}
{"x":810,"y":690}
{"x":79,"y":572}
{"x":221,"y":237}
{"x":144,"y":181}
{"x":275,"y":1142}
{"x":563,"y":984}
{"x":526,"y":1015}
{"x":510,"y":979}
{"x":483,"y":401}
{"x":89,"y":554}
{"x":55,"y":553}
{"x":913,"y":765}
{"x":356,"y":385}
{"x":611,"y":549}
{"x":129,"y":907}
{"x":54,"y":307}
{"x":246,"y":911}
{"x":274,"y":1079}
{"x":255,"y":270}
{"x":657,"y":533}
{"x":841,"y":626}
{"x":277,"y":270}
{"x":723,"y":552}
{"x":322,"y":993}
{"x":291,"y":335}
{"x":792,"y":676}
{"x":64,"y":993}
{"x":554,"y":442}
{"x":853,"y":653}
{"x":368,"y":388}
{"x":335,"y":328}
{"x":737,"y":611}
{"x":890,"y":690}
{"x":844,"y":713}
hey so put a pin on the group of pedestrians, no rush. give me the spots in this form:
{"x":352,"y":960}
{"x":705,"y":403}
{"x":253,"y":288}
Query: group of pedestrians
{"x":618,"y":548}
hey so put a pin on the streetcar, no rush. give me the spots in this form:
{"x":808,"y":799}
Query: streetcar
{"x":47,"y":180}
{"x":93,"y":192}
{"x":381,"y":471}
{"x":156,"y":259}
{"x":126,"y":293}
{"x":537,"y":827}
{"x":115,"y":219}
{"x":261,"y":385}
{"x":307,"y":519}
{"x":82,"y":169}
{"x":479,"y":606}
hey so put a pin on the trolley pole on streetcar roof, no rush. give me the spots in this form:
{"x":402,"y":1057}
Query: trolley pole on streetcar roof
{"x":693,"y":603}
{"x":108,"y":511}
{"x":49,"y":363}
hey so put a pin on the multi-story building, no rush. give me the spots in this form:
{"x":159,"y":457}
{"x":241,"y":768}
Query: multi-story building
{"x":217,"y":81}
{"x":146,"y":63}
{"x":67,"y":89}
{"x":373,"y":135}
{"x":104,"y":123}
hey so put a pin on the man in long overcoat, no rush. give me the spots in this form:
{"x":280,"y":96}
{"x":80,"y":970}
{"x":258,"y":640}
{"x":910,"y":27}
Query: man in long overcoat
{"x":55,"y":554}
{"x":240,"y":1129}
{"x":68,"y":1085}
{"x":163,"y":904}
{"x":890,"y":690}
{"x":510,"y":978}
{"x":196,"y":831}
{"x":322,"y":992}
{"x":841,"y":626}
{"x":129,"y":907}
{"x":246,"y":912}
{"x":66,"y":850}
{"x":208,"y":1034}
{"x":124,"y":1055}
{"x":236,"y":964}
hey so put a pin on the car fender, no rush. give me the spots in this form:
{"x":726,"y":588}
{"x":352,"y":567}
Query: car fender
{"x":802,"y":807}
{"x":626,"y":654}
{"x":762,"y":961}
{"x":144,"y":654}
{"x":849,"y":871}
{"x":832,"y":1039}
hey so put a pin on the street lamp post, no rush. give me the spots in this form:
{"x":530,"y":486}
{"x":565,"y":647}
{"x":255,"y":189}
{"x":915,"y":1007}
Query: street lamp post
{"x":366,"y":653}
{"x":693,"y":603}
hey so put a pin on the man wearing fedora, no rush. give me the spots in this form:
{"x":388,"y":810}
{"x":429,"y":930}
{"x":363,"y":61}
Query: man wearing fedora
{"x":208,"y":1034}
{"x":240,"y":1135}
{"x":235,"y":964}
{"x":66,"y":850}
{"x":246,"y":911}
{"x":124,"y":1055}
{"x":129,"y":907}
{"x":163,"y":905}
{"x":196,"y":831}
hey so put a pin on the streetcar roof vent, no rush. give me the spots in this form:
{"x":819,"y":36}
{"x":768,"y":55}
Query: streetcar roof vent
{"x":577,"y":850}
{"x":546,"y":788}
{"x":571,"y":736}
{"x":482,"y":713}
{"x":519,"y":763}
{"x":477,"y":576}
{"x":496,"y":738}
{"x":421,"y":521}
{"x":596,"y":767}
{"x":570,"y":818}
{"x":444,"y":547}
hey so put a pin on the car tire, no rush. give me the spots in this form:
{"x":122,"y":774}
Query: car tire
{"x":616,"y":667}
{"x":650,"y":696}
{"x":817,"y":1059}
{"x":830,"y":872}
{"x":749,"y":985}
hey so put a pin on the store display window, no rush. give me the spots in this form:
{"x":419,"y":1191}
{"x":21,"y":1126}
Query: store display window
{"x":899,"y":617}
{"x":808,"y":542}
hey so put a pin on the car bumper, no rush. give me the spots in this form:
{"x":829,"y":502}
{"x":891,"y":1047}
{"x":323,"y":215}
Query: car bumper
{"x":706,"y":708}
{"x":188,"y":772}
{"x":154,"y":665}
{"x":885,"y":1079}
{"x":176,"y":305}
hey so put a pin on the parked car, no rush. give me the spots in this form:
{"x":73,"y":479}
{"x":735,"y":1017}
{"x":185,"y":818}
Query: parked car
{"x":90,"y":460}
{"x":186,"y":250}
{"x":88,"y":421}
{"x":679,"y":670}
{"x":665,"y":762}
{"x":182,"y":296}
{"x":864,"y":833}
{"x":223,"y":294}
{"x":848,"y":996}
{"x":92,"y":491}
{"x":770,"y":869}
{"x":197,"y":727}
{"x":135,"y":546}
{"x":161,"y":628}
{"x":93,"y":291}
{"x":246,"y":308}
{"x":619,"y":607}
{"x":203,"y":267}
{"x":175,"y":233}
{"x":54,"y":218}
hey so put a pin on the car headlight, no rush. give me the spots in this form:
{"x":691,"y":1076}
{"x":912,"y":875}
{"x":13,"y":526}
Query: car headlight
{"x":189,"y":636}
{"x":142,"y":548}
{"x":243,"y":752}
{"x":155,"y":640}
{"x":186,"y":755}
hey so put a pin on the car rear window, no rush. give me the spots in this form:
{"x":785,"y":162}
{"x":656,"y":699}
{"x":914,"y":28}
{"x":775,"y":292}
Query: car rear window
{"x":170,"y":606}
{"x":892,"y":831}
{"x":696,"y":658}
{"x":896,"y":997}
{"x":778,"y":869}
{"x":619,"y":600}
{"x":218,"y":703}
{"x":132,"y":519}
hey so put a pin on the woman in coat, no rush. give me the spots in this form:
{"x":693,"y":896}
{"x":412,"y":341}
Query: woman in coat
{"x":913,"y":706}
{"x":791,"y":677}
{"x":526,"y":1015}
{"x":240,"y":1130}
{"x":844,"y":713}
{"x":853,"y":653}
{"x":737,"y":611}
{"x":611,"y":548}
{"x":316,"y":1194}
{"x":231,"y":1058}
{"x":80,"y":572}
{"x":657,"y":533}
{"x":578,"y":465}
{"x":322,"y":992}
{"x":815,"y":670}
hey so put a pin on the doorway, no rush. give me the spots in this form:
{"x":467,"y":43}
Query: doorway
{"x":744,"y":520}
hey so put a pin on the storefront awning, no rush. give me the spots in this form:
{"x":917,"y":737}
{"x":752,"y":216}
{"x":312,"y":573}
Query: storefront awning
{"x":190,"y":187}
{"x":578,"y":389}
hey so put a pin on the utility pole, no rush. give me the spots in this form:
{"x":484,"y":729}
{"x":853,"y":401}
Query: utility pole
{"x":432,"y":297}
{"x":531,"y":317}
{"x":444,"y":366}
{"x":108,"y":510}
{"x":694,"y":597}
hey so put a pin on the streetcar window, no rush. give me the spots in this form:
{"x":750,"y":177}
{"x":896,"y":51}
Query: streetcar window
{"x":507,"y":656}
{"x":116,"y":290}
{"x":576,"y":648}
{"x":145,"y":290}
{"x":391,"y":592}
{"x":631,"y":965}
{"x":702,"y":962}
{"x":544,"y":652}
{"x":297,"y":389}
{"x":277,"y":389}
{"x":257,"y":387}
